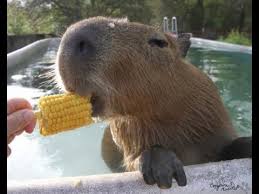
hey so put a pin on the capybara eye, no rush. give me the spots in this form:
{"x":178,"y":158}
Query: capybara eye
{"x":157,"y":42}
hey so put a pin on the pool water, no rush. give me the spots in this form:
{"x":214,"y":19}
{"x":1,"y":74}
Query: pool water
{"x":232,"y":74}
{"x":78,"y":152}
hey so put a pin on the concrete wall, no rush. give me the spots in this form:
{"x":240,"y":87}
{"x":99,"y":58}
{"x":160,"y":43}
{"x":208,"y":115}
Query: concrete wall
{"x":233,"y":176}
{"x":15,"y":42}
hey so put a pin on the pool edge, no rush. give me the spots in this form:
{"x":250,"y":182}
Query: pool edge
{"x":234,"y":176}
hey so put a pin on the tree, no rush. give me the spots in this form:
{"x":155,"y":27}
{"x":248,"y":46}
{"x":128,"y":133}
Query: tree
{"x":196,"y":17}
{"x":201,"y":17}
{"x":66,"y":12}
{"x":16,"y":19}
{"x":205,"y":16}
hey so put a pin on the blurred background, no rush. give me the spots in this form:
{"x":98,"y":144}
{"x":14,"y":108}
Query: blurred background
{"x":224,"y":20}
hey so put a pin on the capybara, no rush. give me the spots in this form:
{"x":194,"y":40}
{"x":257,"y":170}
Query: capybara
{"x":163,"y":112}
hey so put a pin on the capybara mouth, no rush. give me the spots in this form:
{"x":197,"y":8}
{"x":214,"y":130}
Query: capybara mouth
{"x":96,"y":101}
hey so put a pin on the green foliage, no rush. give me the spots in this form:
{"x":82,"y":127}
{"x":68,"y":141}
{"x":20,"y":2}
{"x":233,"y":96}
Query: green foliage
{"x":236,"y":38}
{"x":56,"y":15}
{"x":24,"y":20}
{"x":205,"y":18}
{"x":17,"y":19}
{"x":135,"y":10}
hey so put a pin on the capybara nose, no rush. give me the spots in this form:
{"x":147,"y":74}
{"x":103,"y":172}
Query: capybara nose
{"x":78,"y":48}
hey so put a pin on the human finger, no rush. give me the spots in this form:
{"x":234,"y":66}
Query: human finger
{"x":19,"y":120}
{"x":15,"y":104}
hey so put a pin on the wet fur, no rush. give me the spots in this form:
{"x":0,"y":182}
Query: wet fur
{"x":152,"y":96}
{"x":184,"y":109}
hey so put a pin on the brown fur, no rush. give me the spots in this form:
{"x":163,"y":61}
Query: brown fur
{"x":150,"y":95}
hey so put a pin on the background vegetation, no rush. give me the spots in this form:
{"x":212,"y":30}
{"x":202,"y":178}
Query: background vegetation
{"x":236,"y":38}
{"x":227,"y":20}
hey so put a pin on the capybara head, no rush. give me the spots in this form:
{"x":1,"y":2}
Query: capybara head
{"x":124,"y":66}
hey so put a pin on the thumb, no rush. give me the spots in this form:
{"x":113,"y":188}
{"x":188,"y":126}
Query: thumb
{"x":19,"y":120}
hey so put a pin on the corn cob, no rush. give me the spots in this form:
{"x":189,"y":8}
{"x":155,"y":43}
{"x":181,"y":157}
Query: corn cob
{"x":63,"y":112}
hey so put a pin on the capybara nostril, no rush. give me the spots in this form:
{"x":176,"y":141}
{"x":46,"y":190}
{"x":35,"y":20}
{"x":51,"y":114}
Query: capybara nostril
{"x":84,"y":48}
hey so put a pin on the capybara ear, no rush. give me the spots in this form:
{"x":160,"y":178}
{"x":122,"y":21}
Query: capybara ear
{"x":184,"y":42}
{"x":173,"y":44}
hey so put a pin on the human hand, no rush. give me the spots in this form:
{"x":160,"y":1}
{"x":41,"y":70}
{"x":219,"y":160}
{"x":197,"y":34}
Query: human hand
{"x":20,"y":117}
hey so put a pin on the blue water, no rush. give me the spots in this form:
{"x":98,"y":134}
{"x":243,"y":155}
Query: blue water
{"x":232,"y":73}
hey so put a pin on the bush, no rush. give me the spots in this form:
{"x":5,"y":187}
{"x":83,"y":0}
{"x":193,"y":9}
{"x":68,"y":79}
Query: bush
{"x":236,"y":37}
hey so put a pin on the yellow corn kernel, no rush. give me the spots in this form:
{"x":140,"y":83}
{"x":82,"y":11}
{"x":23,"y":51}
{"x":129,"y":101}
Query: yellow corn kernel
{"x":63,"y":112}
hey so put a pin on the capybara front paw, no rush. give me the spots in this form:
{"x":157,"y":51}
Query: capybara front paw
{"x":159,"y":165}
